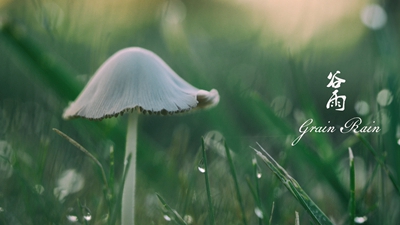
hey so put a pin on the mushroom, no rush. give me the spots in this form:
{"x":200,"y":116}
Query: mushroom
{"x":136,"y":80}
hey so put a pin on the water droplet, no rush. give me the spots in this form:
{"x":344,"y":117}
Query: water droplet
{"x":167,"y":218}
{"x":188,"y":219}
{"x":398,"y":142}
{"x":201,"y":169}
{"x":259,"y":213}
{"x":201,"y":166}
{"x":72,"y":216}
{"x":1,"y":210}
{"x":360,"y":220}
{"x":39,"y":189}
{"x":258,"y":172}
{"x":87,"y":215}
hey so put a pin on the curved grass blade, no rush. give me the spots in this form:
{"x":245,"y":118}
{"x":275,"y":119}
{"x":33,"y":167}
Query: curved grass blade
{"x":77,"y":145}
{"x":291,"y":184}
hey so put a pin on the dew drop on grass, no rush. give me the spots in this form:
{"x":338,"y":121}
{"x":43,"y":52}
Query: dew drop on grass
{"x":201,"y":169}
{"x":259,"y":213}
{"x":258,"y":172}
{"x":167,"y":218}
{"x":72,"y":216}
{"x":360,"y":220}
{"x":201,"y":166}
{"x":87,"y":214}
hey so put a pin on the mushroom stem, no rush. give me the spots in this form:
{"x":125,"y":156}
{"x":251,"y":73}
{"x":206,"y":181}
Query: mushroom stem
{"x":128,"y":194}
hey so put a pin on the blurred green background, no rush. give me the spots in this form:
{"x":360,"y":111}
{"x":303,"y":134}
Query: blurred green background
{"x":269,"y":60}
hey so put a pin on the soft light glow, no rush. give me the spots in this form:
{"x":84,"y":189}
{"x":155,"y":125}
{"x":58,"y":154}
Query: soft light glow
{"x":362,"y":108}
{"x":373,"y":16}
{"x":297,"y":22}
{"x":384,"y":97}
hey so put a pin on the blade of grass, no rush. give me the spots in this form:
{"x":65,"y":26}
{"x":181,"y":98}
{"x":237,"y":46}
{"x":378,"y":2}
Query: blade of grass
{"x":176,"y":217}
{"x":272,"y":213}
{"x":352,"y":188}
{"x":252,"y":191}
{"x":380,"y":161}
{"x":52,"y":70}
{"x":257,"y":176}
{"x":76,"y":144}
{"x":111,"y":173}
{"x":110,"y":195}
{"x":83,"y":209}
{"x":233,"y":173}
{"x":297,"y":221}
{"x":256,"y":199}
{"x":210,"y":205}
{"x":265,"y":117}
{"x":291,"y":184}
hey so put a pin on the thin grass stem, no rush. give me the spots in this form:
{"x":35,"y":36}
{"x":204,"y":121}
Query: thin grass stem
{"x":177,"y":218}
{"x":380,"y":161}
{"x":210,"y":205}
{"x":80,"y":147}
{"x":272,"y":213}
{"x":256,"y":173}
{"x":293,"y":186}
{"x":352,"y":189}
{"x":297,"y":221}
{"x":233,"y":173}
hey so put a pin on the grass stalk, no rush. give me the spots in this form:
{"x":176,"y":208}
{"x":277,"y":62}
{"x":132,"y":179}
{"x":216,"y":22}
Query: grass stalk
{"x":234,"y":176}
{"x":176,"y":217}
{"x":352,"y":189}
{"x":257,"y":176}
{"x":210,"y":205}
{"x":297,"y":221}
{"x":83,"y":211}
{"x":291,"y":184}
{"x":380,"y":161}
{"x":80,"y":147}
{"x":272,"y":213}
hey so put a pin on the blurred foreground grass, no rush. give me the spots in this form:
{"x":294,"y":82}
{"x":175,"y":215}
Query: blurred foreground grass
{"x":267,"y":92}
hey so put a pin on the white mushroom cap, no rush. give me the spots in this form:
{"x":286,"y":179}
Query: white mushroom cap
{"x":137,"y":79}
